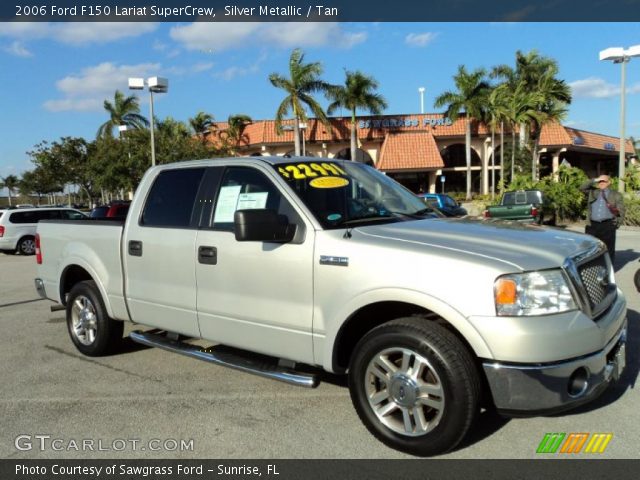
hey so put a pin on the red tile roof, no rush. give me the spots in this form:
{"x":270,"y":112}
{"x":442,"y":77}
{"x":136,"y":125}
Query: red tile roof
{"x":555,"y":134}
{"x":409,"y":151}
{"x":263,"y":132}
{"x":384,"y":127}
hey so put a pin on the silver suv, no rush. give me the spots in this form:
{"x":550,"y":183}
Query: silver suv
{"x":18,"y":227}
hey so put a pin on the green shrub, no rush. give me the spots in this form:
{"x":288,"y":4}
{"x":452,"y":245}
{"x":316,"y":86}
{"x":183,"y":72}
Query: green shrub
{"x":632,"y":207}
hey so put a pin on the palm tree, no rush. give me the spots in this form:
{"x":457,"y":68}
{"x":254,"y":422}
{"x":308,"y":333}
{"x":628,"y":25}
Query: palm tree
{"x":234,"y":133}
{"x":470,"y":97}
{"x":535,"y":73}
{"x":357,"y":92}
{"x":10,"y":182}
{"x":302,"y":82}
{"x":517,"y":107}
{"x":494,"y":116}
{"x":201,"y":125}
{"x":554,"y":96}
{"x":123,"y":111}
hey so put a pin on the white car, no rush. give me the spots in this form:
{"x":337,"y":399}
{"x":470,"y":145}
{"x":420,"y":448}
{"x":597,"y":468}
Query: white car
{"x":18,"y":226}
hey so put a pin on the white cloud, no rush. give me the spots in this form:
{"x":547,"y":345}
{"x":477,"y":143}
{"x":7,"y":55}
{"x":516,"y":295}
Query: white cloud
{"x":311,"y":35}
{"x":213,"y":35}
{"x":420,"y":39}
{"x":594,"y":87}
{"x":202,"y":67}
{"x":195,"y":68}
{"x":236,"y":71}
{"x":207,"y":36}
{"x":18,"y":49}
{"x":76,"y":33}
{"x":88,"y":90}
{"x":74,"y":104}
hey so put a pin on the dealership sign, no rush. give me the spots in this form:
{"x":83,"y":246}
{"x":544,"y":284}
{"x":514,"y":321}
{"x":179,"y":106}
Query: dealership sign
{"x":404,"y":122}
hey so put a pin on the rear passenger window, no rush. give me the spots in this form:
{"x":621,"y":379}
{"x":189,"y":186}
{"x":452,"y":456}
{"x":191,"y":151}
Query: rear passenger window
{"x":23,"y":217}
{"x":171,"y":200}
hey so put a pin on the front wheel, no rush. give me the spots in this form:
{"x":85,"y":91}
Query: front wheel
{"x":90,"y":328}
{"x":415,"y":386}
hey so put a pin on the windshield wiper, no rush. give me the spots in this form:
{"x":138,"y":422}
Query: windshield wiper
{"x":371,"y":218}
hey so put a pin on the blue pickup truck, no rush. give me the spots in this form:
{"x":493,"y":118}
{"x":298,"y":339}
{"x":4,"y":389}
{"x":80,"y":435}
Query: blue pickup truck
{"x":447,"y":205}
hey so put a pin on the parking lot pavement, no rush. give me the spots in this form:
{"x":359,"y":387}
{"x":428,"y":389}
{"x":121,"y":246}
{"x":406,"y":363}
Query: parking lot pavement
{"x":92,"y":407}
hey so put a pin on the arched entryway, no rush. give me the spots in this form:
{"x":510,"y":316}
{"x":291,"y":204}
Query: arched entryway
{"x":455,"y":169}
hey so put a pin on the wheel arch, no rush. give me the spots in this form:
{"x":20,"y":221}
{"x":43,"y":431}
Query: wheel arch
{"x":71,"y":275}
{"x":369,"y":316}
{"x":74,"y":273}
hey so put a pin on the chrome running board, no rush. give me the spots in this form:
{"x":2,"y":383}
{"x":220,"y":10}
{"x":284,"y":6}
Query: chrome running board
{"x":261,"y":365}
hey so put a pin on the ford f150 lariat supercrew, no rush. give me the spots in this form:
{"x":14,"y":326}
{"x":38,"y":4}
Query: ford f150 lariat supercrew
{"x":283,"y":261}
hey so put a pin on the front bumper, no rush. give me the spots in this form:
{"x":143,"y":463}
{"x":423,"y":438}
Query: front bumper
{"x":519,"y":389}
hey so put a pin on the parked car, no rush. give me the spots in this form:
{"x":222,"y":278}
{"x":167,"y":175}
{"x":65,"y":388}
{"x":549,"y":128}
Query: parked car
{"x":529,"y":206}
{"x":18,"y":226}
{"x":115,"y":210}
{"x":444,"y":203}
{"x":280,"y":262}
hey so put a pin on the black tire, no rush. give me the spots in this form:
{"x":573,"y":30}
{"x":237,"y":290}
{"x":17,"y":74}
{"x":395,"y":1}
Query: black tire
{"x":636,"y":280}
{"x":91,"y":330}
{"x":445,"y":368}
{"x":27,"y":246}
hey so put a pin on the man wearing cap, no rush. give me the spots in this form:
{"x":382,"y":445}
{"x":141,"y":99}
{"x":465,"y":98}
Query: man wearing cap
{"x":605,"y":211}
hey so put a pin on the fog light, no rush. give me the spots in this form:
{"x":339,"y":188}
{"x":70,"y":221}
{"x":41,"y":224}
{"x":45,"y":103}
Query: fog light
{"x":578,"y":382}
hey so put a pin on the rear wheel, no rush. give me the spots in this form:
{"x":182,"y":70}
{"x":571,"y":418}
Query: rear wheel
{"x":27,"y":246}
{"x":90,"y":328}
{"x":415,"y":386}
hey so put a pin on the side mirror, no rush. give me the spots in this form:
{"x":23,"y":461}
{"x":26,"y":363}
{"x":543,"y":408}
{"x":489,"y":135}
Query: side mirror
{"x":262,"y":225}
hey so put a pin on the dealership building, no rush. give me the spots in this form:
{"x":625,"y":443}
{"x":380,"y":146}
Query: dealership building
{"x":427,"y":151}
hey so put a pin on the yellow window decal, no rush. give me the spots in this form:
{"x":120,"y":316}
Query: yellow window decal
{"x":303,"y":171}
{"x":328,"y":182}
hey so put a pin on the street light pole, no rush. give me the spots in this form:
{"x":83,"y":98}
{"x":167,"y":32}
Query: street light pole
{"x":155,"y":84}
{"x":421,"y":90}
{"x":621,"y":156}
{"x":153,"y":141}
{"x":622,"y":56}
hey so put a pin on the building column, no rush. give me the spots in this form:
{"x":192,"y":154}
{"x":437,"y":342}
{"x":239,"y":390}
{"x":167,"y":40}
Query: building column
{"x":433,"y":177}
{"x":555,"y":163}
{"x":485,"y":166}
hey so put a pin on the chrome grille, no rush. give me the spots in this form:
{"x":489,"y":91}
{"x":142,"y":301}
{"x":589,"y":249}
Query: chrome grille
{"x":591,"y":277}
{"x":595,"y":278}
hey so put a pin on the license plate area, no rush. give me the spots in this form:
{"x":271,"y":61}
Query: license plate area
{"x":617,"y":361}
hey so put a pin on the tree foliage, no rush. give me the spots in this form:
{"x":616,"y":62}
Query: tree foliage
{"x":303,"y":81}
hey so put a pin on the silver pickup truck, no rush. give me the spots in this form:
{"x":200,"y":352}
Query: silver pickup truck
{"x":279,"y":262}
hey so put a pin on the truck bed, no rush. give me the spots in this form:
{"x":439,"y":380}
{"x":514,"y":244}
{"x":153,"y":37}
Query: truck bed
{"x":93,"y":244}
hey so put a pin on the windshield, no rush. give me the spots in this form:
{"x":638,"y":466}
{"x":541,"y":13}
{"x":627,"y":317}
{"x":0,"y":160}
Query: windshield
{"x":346,"y":193}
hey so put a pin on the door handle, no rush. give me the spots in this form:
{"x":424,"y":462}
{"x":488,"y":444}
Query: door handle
{"x":135,"y":248}
{"x":208,"y":255}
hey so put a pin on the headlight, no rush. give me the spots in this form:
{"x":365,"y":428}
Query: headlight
{"x":533,"y":293}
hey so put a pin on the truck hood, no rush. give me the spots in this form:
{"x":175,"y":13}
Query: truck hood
{"x":521,"y":246}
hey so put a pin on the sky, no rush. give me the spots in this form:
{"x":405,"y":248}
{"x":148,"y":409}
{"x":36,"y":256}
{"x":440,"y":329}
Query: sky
{"x":54,"y":77}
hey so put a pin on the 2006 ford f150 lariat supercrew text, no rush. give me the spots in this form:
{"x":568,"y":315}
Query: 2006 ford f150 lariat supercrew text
{"x":282,"y":261}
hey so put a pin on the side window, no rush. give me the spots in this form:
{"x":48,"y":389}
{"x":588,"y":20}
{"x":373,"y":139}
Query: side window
{"x":244,"y":188}
{"x":170,"y":202}
{"x":49,"y":215}
{"x":23,"y":217}
{"x":72,"y":215}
